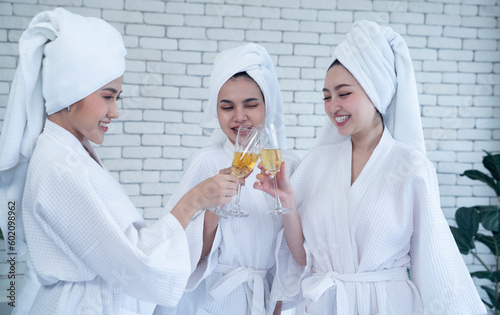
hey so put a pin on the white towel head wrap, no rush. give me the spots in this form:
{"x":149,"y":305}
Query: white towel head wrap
{"x":380,"y":61}
{"x":63,"y":57}
{"x":257,"y":63}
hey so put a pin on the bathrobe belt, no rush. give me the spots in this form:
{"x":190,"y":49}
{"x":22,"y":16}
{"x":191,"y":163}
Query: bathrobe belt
{"x":234,"y":277}
{"x":317,"y":284}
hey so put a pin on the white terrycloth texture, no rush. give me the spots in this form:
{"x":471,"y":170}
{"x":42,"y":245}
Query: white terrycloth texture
{"x":88,"y":243}
{"x":380,"y":61}
{"x":242,"y":246}
{"x":79,"y":56}
{"x":256,"y":62}
{"x":390,"y":218}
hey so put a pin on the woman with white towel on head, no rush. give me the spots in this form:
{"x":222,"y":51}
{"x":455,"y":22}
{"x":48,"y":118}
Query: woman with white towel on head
{"x":376,"y":240}
{"x":89,"y":246}
{"x":232,"y":258}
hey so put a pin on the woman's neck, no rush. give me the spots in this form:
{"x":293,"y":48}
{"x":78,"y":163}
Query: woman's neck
{"x":363,"y":146}
{"x":367,"y":141}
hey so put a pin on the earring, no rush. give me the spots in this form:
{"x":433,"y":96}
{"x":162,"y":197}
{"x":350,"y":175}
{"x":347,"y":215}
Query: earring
{"x":68,"y":108}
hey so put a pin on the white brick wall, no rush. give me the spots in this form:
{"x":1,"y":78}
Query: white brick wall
{"x":172,"y":44}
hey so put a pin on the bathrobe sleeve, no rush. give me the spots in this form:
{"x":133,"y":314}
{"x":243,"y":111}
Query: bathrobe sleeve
{"x":200,"y":166}
{"x":151,"y":264}
{"x":207,"y":264}
{"x":288,"y":273}
{"x":437,"y":268}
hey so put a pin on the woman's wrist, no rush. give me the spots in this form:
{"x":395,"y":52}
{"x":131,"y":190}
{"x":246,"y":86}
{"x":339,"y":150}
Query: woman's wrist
{"x":185,"y":208}
{"x":288,"y":200}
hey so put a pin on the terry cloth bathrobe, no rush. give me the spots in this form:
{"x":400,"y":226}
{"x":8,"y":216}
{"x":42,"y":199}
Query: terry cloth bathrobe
{"x":89,"y":246}
{"x":382,"y":244}
{"x":236,"y":276}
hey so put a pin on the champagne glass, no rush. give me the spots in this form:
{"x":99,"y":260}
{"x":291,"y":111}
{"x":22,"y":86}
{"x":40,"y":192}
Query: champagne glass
{"x":271,"y":159}
{"x":219,"y":211}
{"x":246,"y":154}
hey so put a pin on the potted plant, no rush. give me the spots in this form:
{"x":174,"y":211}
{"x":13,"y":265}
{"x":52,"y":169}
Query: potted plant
{"x":466,"y":234}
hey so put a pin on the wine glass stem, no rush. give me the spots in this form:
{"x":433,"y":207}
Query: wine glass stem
{"x":238,"y":197}
{"x":276,"y":194}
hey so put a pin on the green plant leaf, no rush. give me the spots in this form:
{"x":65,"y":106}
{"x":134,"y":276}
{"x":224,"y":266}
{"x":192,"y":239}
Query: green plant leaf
{"x":487,"y":304}
{"x":463,"y":244}
{"x":481,"y":274}
{"x":495,"y":277}
{"x":486,"y":208}
{"x":491,"y":294}
{"x":468,"y":222}
{"x":496,"y":238}
{"x":492,"y":242}
{"x":488,"y":241}
{"x":490,"y":218}
{"x":492,"y":163}
{"x":492,"y":276}
{"x":478,"y":175}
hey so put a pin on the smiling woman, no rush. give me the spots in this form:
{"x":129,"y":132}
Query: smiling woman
{"x":232,"y":259}
{"x":88,"y":244}
{"x":376,"y":240}
{"x":240,"y":103}
{"x":89,"y":118}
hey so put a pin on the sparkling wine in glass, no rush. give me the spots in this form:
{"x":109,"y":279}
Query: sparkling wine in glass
{"x":246,"y":155}
{"x":270,"y":157}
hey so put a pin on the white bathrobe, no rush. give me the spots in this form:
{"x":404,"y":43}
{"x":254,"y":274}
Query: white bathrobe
{"x":378,"y":246}
{"x":235,"y":277}
{"x":88,"y":244}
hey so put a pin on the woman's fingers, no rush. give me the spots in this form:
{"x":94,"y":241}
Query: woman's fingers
{"x":217,"y":190}
{"x":225,"y":171}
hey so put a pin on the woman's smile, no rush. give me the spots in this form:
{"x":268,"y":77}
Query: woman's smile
{"x":104,"y":126}
{"x":342,"y":119}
